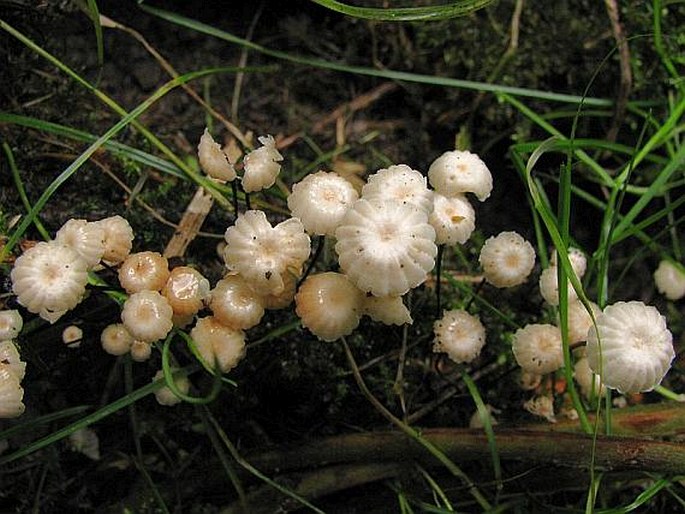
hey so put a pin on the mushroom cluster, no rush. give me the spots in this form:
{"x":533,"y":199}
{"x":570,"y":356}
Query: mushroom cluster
{"x":12,"y":368}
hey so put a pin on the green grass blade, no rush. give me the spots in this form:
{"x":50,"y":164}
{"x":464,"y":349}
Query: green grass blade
{"x":81,"y":159}
{"x":94,"y":13}
{"x":31,"y":424}
{"x":656,"y":188}
{"x":360,"y":70}
{"x":22,"y":192}
{"x":118,"y":149}
{"x":439,"y":12}
{"x":96,"y":416}
{"x":486,"y":418}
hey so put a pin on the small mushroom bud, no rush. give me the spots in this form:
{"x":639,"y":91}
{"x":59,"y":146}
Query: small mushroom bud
{"x":329,"y":305}
{"x":118,"y":239}
{"x":164,"y":395}
{"x":88,"y":239}
{"x":235,"y":304}
{"x":460,"y":335}
{"x":458,"y":172}
{"x":213,"y":160}
{"x":217,"y":344}
{"x":11,"y":324}
{"x":144,"y":271}
{"x":186,"y":289}
{"x":537,"y":348}
{"x":507,"y":259}
{"x":141,"y":351}
{"x":147,"y":316}
{"x":116,"y":340}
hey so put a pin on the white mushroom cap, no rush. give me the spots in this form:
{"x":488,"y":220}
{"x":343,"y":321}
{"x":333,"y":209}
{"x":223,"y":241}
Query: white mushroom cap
{"x":49,"y":279}
{"x":115,"y":339}
{"x":385,"y":248}
{"x":577,"y":259}
{"x":632,"y":349}
{"x":88,"y":239}
{"x":11,"y":394}
{"x":213,"y":160}
{"x":144,"y":271}
{"x":549,"y":286}
{"x":147,"y":316}
{"x":589,"y":382}
{"x":507,"y":259}
{"x":460,"y":335}
{"x":329,"y":305}
{"x":164,"y":395}
{"x":186,"y":290}
{"x":118,"y":239}
{"x":261,"y":166}
{"x":400,"y":184}
{"x":320,"y":201}
{"x":537,"y":348}
{"x":579,"y":320}
{"x":72,"y":336}
{"x":389,"y":310}
{"x":262,"y":254}
{"x":235,"y":304}
{"x":11,"y":324}
{"x":141,"y":351}
{"x":458,"y":172}
{"x":453,"y":219}
{"x":218,"y":343}
{"x":85,"y":441}
{"x":10,"y":359}
{"x":670,"y":280}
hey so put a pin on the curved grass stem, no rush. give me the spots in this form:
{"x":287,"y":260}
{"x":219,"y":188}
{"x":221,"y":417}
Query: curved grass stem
{"x":413,"y":433}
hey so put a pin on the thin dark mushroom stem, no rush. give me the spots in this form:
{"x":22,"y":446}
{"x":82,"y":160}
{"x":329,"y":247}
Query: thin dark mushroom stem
{"x":320,"y":243}
{"x":438,"y":288}
{"x":234,"y":191}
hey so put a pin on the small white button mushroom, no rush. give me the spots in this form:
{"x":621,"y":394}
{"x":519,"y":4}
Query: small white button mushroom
{"x":11,"y":395}
{"x":670,"y":280}
{"x":460,"y":335}
{"x":389,"y":310}
{"x":164,"y":395}
{"x":400,"y":184}
{"x":72,"y":336}
{"x":263,"y":254}
{"x":261,"y":166}
{"x":186,"y":290}
{"x":213,"y":160}
{"x":49,"y":279}
{"x":507,"y":259}
{"x":118,"y":239}
{"x":141,"y":351}
{"x":88,"y":239}
{"x":329,"y":305}
{"x":458,"y":172}
{"x":11,"y":360}
{"x":116,"y":340}
{"x":537,"y":348}
{"x":320,"y":201}
{"x":235,"y":304}
{"x":147,"y":316}
{"x":453,"y":219}
{"x":217,"y":344}
{"x":11,"y":324}
{"x":144,"y":271}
